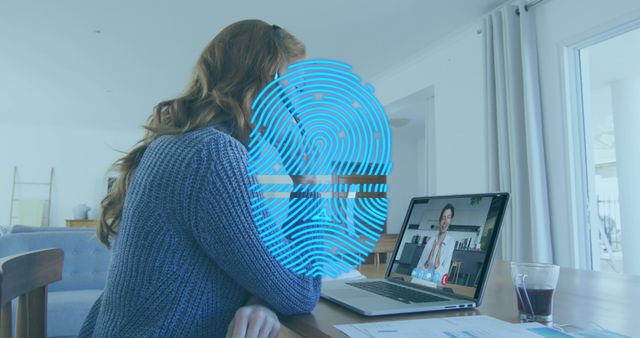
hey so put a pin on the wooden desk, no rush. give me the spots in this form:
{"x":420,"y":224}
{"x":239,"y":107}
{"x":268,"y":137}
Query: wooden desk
{"x":609,"y":300}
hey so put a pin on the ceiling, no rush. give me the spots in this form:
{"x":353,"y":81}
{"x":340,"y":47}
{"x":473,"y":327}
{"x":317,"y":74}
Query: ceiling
{"x":90,"y":64}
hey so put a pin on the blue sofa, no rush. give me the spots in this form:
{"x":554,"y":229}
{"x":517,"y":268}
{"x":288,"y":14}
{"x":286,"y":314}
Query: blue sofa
{"x":83,"y":276}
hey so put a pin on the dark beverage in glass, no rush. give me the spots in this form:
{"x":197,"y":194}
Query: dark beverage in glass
{"x":534,"y":285}
{"x":535,"y":302}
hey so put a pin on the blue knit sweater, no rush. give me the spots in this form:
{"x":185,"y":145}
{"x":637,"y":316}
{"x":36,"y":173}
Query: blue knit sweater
{"x":188,"y":253}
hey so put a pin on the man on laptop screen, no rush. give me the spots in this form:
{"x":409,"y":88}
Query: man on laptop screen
{"x":463,"y":226}
{"x":441,"y":259}
{"x":436,"y":257}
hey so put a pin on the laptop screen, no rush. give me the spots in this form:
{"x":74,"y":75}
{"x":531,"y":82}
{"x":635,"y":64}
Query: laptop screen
{"x":446,"y":242}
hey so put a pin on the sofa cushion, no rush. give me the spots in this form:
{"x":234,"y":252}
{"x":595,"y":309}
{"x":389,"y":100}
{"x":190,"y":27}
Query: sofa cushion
{"x":67,"y":311}
{"x":86,"y":260}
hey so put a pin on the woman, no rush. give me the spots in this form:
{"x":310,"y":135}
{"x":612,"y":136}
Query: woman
{"x":439,"y":249}
{"x":186,"y":252}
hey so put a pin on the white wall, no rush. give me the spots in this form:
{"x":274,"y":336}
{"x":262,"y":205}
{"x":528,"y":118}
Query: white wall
{"x":561,"y":23}
{"x":601,"y":126}
{"x":80,"y":159}
{"x":454,"y":67}
{"x":407,"y":178}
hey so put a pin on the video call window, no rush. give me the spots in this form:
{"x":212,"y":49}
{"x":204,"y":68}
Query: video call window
{"x":446,"y":242}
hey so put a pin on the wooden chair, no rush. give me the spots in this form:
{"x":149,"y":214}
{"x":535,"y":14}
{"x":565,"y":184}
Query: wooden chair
{"x":26,"y":276}
{"x":453,"y":276}
{"x":385,"y":245}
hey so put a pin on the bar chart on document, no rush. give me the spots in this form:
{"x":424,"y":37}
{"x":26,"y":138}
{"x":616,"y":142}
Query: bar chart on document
{"x":453,"y":327}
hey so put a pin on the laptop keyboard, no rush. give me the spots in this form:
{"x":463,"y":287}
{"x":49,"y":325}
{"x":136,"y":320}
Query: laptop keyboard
{"x":395,"y":292}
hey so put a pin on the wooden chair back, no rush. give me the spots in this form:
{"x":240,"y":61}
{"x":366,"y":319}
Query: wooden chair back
{"x":26,"y":276}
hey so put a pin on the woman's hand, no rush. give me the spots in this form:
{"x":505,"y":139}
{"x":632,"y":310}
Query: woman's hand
{"x":254,"y":321}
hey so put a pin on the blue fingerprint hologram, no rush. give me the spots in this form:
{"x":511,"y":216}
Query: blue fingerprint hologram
{"x":319,"y":119}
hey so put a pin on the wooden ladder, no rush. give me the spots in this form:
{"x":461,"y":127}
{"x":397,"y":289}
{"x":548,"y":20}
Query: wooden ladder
{"x":15,"y":201}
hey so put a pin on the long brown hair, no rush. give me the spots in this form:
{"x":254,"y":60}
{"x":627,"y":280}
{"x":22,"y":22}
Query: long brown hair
{"x":240,"y":61}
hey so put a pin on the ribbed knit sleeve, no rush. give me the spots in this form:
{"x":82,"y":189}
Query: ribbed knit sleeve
{"x":225,"y":229}
{"x":90,"y":322}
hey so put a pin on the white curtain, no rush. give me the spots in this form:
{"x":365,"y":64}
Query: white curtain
{"x":516,"y":151}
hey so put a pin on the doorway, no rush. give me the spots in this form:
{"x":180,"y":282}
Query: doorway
{"x":412,"y":153}
{"x":609,"y":77}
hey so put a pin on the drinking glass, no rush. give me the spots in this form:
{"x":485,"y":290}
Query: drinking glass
{"x":535,"y":286}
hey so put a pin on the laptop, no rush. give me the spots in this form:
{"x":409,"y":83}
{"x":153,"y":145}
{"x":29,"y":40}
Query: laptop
{"x":441,"y":260}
